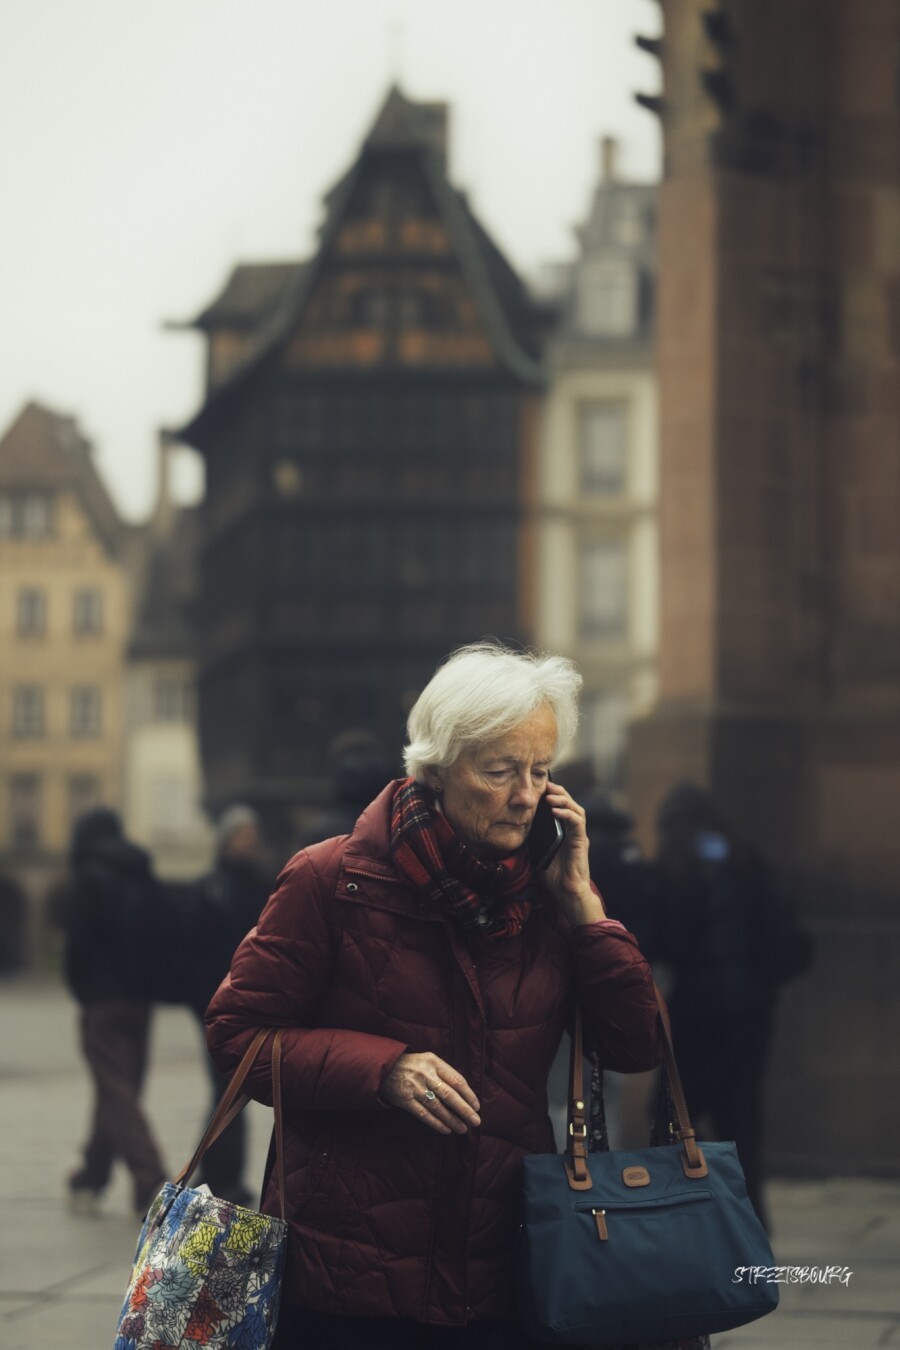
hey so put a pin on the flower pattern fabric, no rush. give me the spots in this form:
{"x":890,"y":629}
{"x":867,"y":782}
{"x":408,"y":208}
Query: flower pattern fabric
{"x":206,"y":1273}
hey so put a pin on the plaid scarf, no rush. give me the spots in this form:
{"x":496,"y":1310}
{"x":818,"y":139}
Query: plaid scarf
{"x":492,"y":898}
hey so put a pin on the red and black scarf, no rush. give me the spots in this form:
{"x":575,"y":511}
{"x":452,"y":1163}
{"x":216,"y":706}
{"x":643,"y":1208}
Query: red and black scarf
{"x":492,"y":898}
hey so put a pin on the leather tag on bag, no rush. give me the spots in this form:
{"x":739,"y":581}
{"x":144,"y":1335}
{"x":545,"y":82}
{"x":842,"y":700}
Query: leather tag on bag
{"x":636,"y":1176}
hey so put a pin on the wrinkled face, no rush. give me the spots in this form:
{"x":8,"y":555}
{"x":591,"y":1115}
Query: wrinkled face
{"x":490,"y":793}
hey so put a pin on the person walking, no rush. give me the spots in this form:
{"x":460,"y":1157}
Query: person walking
{"x":111,"y":882}
{"x":728,"y":939}
{"x":228,"y":900}
{"x":424,"y":970}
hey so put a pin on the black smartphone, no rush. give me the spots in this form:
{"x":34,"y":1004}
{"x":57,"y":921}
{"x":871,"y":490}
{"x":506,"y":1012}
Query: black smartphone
{"x":545,"y":836}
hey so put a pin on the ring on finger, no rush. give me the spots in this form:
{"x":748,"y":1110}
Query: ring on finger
{"x":430,"y":1096}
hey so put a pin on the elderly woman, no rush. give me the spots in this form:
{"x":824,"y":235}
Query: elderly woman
{"x":424,"y":972}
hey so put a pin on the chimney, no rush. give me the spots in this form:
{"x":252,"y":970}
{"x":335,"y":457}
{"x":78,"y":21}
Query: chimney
{"x":609,"y":154}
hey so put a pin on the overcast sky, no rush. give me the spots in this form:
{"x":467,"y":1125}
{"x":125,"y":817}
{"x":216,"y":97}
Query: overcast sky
{"x":148,"y":145}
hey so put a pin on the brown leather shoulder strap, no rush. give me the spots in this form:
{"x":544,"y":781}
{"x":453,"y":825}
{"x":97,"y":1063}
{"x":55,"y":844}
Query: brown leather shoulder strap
{"x":693,"y":1161}
{"x":233,"y":1101}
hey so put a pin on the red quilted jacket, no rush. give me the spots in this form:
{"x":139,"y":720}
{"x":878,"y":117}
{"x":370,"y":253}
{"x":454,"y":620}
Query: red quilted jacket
{"x":387,"y":1217}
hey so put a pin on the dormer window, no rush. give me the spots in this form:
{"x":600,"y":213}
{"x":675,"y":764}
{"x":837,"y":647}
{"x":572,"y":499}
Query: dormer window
{"x":627,"y":222}
{"x":607,"y":298}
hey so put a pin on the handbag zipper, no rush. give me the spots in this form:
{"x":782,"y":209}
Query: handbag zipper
{"x":663,"y":1202}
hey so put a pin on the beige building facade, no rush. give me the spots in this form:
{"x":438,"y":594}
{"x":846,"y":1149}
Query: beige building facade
{"x":64,"y":623}
{"x":596,"y":567}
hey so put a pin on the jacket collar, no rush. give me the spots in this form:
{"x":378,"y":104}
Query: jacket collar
{"x":369,"y":846}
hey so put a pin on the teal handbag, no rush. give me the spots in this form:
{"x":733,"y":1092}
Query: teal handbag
{"x":652,"y":1245}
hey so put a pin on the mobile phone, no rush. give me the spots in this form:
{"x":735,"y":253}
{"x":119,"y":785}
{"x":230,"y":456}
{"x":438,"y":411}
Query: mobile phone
{"x":545,"y":836}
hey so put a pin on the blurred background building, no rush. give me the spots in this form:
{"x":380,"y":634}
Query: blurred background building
{"x":163,"y":787}
{"x":779,"y":379}
{"x":97,"y":701}
{"x":64,"y":615}
{"x":369,"y":431}
{"x":596,"y":592}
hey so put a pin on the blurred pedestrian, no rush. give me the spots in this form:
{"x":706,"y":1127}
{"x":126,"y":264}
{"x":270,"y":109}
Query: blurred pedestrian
{"x":359,"y":770}
{"x":729,"y":940}
{"x":627,"y":882}
{"x":12,"y":925}
{"x":619,"y":870}
{"x":229,"y":898}
{"x":111,"y":882}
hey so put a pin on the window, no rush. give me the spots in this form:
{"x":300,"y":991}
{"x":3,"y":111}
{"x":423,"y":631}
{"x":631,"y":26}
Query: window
{"x":298,"y":555}
{"x":35,"y":516}
{"x":298,"y":422}
{"x":603,"y":594}
{"x":171,"y":700}
{"x":84,"y":711}
{"x":25,"y":809}
{"x":486,"y":561}
{"x":31,"y":612}
{"x":25,"y":516}
{"x":603,"y":446}
{"x":627,"y":221}
{"x":358,"y":554}
{"x":84,"y":795}
{"x":28,"y":711}
{"x":605,"y":725}
{"x":373,"y":309}
{"x":607,"y":298}
{"x":87,"y":612}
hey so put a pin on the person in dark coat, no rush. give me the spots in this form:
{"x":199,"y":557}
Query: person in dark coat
{"x":360,"y":769}
{"x":621,"y":873}
{"x":423,"y":971}
{"x":230,"y":899}
{"x":111,"y":882}
{"x":729,"y":940}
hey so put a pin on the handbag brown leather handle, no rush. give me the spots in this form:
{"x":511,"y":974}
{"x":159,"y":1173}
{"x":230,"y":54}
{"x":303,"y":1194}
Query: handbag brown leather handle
{"x":692,"y":1160}
{"x":233,"y":1101}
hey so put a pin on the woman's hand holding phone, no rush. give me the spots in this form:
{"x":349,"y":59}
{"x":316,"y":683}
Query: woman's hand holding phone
{"x":568,"y":876}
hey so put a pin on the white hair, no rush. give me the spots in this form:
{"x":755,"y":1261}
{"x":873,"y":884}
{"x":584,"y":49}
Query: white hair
{"x":482,"y":691}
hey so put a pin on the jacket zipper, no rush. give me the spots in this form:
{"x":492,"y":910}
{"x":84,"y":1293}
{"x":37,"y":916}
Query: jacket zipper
{"x":371,"y":876}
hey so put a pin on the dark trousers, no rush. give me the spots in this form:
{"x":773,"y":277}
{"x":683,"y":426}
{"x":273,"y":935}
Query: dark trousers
{"x":114,"y":1039}
{"x":300,"y":1329}
{"x":722,"y":1062}
{"x":223,"y":1164}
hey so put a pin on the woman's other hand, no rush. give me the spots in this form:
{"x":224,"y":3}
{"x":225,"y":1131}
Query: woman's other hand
{"x":433,"y":1092}
{"x":568,"y":877}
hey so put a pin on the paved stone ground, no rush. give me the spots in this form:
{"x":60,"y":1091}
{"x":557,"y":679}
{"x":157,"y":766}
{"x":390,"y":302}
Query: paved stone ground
{"x":62,"y":1276}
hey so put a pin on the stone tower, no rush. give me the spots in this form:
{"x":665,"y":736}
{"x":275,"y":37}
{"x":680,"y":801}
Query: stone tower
{"x":779,"y":372}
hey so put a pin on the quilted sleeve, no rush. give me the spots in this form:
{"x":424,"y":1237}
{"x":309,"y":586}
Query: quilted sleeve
{"x":614,"y":986}
{"x":279,"y":975}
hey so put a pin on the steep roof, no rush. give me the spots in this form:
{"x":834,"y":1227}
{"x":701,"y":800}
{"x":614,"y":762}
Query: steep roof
{"x":43,"y":450}
{"x":502,"y":300}
{"x":404,"y":125}
{"x":252,"y":291}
